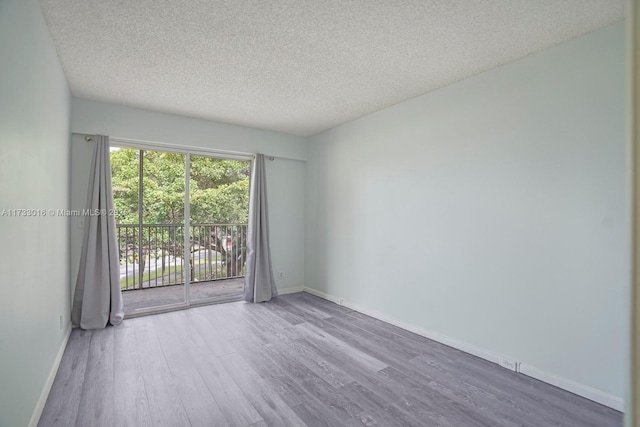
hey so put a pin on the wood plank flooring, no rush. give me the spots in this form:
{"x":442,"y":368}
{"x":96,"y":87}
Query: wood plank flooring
{"x":295,"y":361}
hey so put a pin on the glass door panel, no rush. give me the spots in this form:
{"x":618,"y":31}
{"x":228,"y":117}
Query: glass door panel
{"x":168,"y":259}
{"x":125,"y":168}
{"x":151,"y":219}
{"x":219,"y":205}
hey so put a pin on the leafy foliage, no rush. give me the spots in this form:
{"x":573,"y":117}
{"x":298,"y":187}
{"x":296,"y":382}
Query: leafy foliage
{"x":219,"y":189}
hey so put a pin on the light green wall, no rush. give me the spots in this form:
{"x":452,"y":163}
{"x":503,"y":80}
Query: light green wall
{"x":492,"y":211}
{"x":34,"y":174}
{"x":136,"y":123}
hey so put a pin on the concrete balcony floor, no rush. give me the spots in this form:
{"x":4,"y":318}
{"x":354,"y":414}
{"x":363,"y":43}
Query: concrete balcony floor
{"x":225,"y":289}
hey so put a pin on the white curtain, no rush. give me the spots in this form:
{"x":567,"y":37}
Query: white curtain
{"x":98,"y":299}
{"x":259,"y":284}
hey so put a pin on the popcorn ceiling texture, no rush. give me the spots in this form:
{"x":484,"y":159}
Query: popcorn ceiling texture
{"x":297,"y":66}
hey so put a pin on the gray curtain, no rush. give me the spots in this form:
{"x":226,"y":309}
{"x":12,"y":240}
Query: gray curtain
{"x":259,"y":285}
{"x":98,"y":299}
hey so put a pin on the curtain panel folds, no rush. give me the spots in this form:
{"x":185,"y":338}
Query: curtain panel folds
{"x":259,"y":285}
{"x":98,"y":299}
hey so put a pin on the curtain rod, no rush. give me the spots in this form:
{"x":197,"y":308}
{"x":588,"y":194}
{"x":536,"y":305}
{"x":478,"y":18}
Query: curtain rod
{"x":179,"y":148}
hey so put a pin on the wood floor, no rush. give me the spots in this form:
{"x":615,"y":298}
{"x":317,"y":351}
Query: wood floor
{"x":296,"y":361}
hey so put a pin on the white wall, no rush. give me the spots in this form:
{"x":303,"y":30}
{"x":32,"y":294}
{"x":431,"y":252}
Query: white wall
{"x":125,"y":122}
{"x":81,"y":156}
{"x":34,"y":164}
{"x":286,"y":192}
{"x":285,"y":174}
{"x":492,"y":211}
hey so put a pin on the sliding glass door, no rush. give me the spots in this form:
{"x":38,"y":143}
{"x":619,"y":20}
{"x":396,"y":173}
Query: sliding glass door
{"x":219,"y":205}
{"x":181,"y":241}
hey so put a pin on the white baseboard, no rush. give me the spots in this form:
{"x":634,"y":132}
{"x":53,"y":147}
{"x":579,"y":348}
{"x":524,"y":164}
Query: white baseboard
{"x":292,"y":290}
{"x":37,"y":412}
{"x":325,"y":296}
{"x":574,"y":387}
{"x":585,"y":391}
{"x":451,"y":342}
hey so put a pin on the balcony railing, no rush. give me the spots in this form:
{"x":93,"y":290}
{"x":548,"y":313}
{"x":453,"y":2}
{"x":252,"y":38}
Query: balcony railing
{"x":153,"y":255}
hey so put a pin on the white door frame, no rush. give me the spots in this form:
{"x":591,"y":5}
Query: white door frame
{"x":632,"y":412}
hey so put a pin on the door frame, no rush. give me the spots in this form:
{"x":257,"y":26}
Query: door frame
{"x":187,"y":151}
{"x":632,"y":410}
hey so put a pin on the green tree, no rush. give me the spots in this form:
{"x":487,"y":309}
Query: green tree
{"x":219,"y":188}
{"x":219,"y":191}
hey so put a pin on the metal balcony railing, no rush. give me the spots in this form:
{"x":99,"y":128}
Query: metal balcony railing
{"x":152,"y":255}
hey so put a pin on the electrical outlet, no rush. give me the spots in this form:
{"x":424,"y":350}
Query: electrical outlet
{"x":280,"y":275}
{"x":509,"y":364}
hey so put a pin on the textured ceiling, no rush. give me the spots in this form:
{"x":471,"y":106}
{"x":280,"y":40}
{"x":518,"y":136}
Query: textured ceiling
{"x":297,"y":66}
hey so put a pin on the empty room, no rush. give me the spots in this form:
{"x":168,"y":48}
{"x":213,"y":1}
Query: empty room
{"x":319,"y":213}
